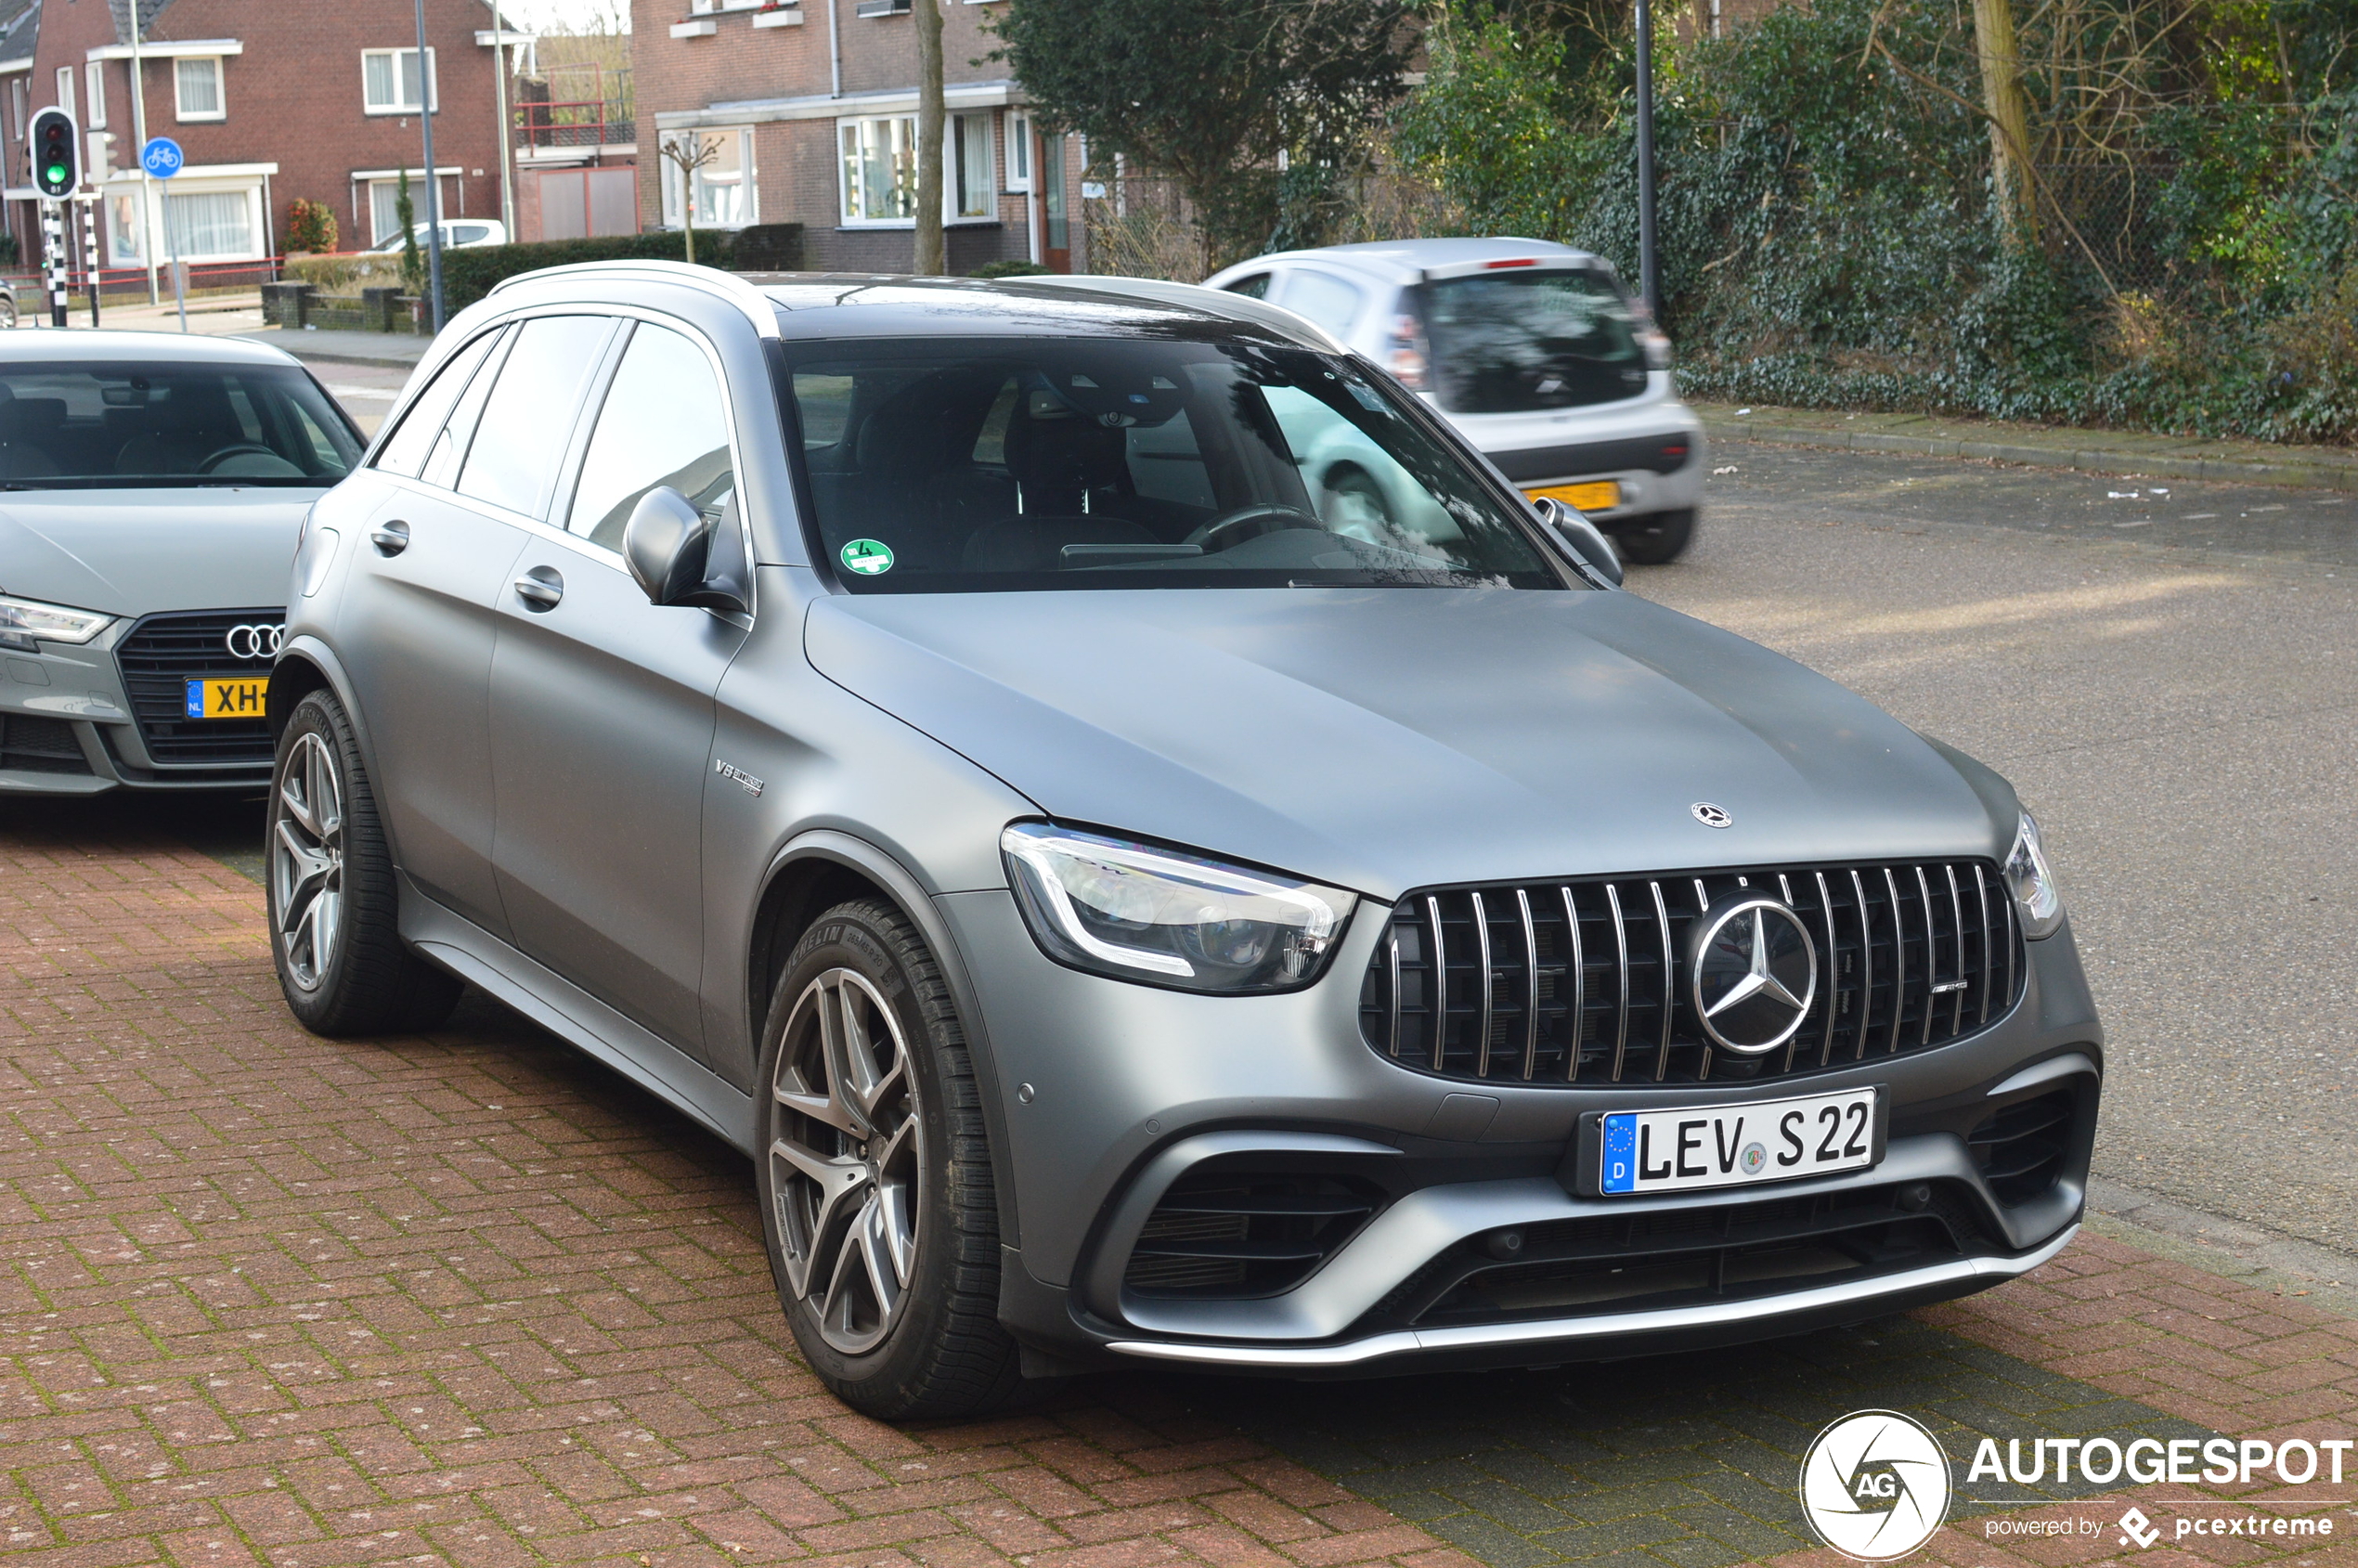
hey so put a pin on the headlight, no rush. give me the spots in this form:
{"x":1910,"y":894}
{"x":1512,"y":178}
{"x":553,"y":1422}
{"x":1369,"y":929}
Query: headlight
{"x":24,"y":620}
{"x":2033,"y":883}
{"x":1139,"y":913}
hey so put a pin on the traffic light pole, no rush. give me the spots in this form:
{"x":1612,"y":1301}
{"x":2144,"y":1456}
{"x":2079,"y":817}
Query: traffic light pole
{"x":52,"y":258}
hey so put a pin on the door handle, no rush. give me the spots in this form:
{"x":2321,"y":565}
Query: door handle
{"x":389,"y":537}
{"x":541,"y":588}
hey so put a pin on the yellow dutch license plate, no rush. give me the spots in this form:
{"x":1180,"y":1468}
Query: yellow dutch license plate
{"x":1600,"y":495}
{"x":235,"y":696}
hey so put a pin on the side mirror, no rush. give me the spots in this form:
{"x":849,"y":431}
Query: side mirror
{"x":1587,"y":540}
{"x":670,"y":546}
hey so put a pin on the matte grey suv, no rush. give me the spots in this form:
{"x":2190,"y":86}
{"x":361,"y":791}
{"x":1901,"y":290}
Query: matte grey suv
{"x":929,"y":732}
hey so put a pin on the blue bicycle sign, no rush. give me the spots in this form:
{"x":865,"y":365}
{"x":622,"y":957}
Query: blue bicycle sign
{"x":161,"y":157}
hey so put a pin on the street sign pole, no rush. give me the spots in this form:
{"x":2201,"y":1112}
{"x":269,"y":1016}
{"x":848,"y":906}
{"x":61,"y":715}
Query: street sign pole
{"x":434,"y":181}
{"x":161,"y":159}
{"x":89,"y":206}
{"x":1648,"y":263}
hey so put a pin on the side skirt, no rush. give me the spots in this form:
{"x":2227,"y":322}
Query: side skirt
{"x":575,"y":1017}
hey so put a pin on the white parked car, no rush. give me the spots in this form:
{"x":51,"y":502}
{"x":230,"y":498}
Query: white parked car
{"x":1533,"y":350}
{"x":458,"y":234}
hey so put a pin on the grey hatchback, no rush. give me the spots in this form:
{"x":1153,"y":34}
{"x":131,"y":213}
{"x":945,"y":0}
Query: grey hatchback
{"x":930,"y":733}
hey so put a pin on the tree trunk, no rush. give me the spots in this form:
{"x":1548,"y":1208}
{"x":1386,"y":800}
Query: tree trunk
{"x":1993,"y":25}
{"x":930,"y":122}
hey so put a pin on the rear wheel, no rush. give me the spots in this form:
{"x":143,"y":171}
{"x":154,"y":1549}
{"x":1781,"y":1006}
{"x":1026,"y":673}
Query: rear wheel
{"x":7,"y":310}
{"x":1653,"y":541}
{"x":874,"y":1175}
{"x":334,"y":919}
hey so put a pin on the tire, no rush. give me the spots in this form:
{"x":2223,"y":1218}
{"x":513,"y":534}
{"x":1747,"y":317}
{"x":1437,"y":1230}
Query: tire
{"x":1655,"y":540}
{"x":7,"y":311}
{"x":875,"y":1176}
{"x":328,"y":882}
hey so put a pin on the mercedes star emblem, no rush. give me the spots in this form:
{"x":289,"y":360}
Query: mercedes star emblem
{"x":1756,"y":973}
{"x":1710,"y":815}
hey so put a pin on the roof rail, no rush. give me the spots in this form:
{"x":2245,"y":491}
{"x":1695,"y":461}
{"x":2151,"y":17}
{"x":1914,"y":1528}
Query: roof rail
{"x":756,"y":305}
{"x":1194,"y":296}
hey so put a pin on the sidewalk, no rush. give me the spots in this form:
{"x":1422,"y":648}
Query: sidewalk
{"x":241,"y":317}
{"x":2096,"y":451}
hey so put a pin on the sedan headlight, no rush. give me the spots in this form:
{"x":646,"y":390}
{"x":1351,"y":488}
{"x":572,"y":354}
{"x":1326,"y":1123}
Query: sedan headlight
{"x":23,"y":621}
{"x":2033,"y":882}
{"x":1139,"y":913}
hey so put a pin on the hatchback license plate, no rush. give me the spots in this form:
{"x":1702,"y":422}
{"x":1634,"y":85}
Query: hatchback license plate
{"x":1643,"y":1151}
{"x":1599,"y":495}
{"x":236,"y":696}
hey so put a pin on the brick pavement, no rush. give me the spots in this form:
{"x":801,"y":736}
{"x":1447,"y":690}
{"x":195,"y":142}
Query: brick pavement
{"x":470,"y":1299}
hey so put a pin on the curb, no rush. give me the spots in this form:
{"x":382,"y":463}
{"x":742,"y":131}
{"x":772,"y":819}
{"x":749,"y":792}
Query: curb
{"x":2310,"y":476}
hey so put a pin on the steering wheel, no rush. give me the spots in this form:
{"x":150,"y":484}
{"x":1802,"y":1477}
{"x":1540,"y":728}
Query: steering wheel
{"x":1250,"y":523}
{"x":238,"y":449}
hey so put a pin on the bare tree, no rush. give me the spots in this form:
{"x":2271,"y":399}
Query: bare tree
{"x":931,"y":260}
{"x":688,"y":151}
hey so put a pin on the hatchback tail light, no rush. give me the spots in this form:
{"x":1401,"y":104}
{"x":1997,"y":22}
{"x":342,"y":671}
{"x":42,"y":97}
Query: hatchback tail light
{"x":1406,"y":359}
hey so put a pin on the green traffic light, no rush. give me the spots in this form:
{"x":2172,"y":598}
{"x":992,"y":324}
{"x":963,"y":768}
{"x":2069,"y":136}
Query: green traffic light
{"x":57,"y":173}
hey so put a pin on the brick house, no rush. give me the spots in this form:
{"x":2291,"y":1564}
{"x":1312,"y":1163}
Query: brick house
{"x":808,"y":110}
{"x":269,"y":101}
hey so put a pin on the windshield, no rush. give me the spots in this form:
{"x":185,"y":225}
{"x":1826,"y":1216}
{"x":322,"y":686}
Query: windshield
{"x":1510,"y":343}
{"x":1114,"y":463}
{"x":92,"y":424}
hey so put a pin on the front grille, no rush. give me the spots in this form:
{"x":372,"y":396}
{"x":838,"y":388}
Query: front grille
{"x":1624,"y":1263}
{"x":1233,"y":1236}
{"x":40,"y":745}
{"x":2020,"y":1150}
{"x":155,"y":659}
{"x":1588,"y":982}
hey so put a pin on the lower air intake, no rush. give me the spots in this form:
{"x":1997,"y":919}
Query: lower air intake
{"x":1235,"y":1236}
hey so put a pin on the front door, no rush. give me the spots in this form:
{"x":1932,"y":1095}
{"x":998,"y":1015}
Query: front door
{"x":601,"y":706}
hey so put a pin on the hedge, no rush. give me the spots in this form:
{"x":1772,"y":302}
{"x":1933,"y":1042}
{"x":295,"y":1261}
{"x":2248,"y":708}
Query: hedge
{"x":470,"y":272}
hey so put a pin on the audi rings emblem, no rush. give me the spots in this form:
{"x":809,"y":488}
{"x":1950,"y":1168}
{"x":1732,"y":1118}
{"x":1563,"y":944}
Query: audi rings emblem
{"x":254,"y":641}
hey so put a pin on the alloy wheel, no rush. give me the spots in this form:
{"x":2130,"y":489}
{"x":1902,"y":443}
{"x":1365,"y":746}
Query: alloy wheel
{"x":847,"y":1159}
{"x":306,"y":861}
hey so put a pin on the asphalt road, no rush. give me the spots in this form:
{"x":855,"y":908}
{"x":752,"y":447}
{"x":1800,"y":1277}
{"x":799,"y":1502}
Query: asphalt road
{"x":2169,"y":676}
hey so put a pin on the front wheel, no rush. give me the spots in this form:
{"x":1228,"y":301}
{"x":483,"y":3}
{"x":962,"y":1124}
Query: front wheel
{"x":874,"y":1175}
{"x":334,"y":919}
{"x":7,"y":311}
{"x":1657,"y":540}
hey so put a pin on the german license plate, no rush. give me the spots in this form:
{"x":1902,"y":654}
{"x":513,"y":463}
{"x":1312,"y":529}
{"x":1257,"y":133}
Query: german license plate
{"x":235,"y":696}
{"x":1679,"y":1150}
{"x":1600,"y":495}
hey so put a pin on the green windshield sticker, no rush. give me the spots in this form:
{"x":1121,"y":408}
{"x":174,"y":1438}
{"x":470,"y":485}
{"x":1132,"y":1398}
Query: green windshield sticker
{"x":867,"y":557}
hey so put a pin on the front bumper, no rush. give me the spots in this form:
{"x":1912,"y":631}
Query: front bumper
{"x":67,"y":727}
{"x":1135,"y":1091}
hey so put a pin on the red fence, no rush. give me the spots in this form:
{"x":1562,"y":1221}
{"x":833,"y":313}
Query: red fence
{"x":117,"y":281}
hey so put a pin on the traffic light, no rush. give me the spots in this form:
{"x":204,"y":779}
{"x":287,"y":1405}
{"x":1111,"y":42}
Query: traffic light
{"x":57,"y":153}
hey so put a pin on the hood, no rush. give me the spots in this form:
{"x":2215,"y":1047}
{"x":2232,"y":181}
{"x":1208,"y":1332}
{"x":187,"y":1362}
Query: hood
{"x":133,"y":552}
{"x":1390,"y":739}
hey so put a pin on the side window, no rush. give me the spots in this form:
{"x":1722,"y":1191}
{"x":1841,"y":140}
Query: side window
{"x":1255,"y":287}
{"x":405,"y":450}
{"x":662,"y":424}
{"x":1327,"y":300}
{"x":521,"y":439}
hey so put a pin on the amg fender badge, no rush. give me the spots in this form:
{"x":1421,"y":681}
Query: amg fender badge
{"x":737,"y":775}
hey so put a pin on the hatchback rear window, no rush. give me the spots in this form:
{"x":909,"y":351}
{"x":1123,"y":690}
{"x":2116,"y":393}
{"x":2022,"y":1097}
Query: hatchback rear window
{"x":1514,"y":342}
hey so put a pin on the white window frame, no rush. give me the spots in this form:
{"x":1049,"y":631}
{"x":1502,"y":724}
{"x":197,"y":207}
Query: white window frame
{"x":17,"y":93}
{"x":399,"y":105}
{"x":675,"y":193}
{"x":95,"y":91}
{"x":866,"y":125}
{"x":65,"y":89}
{"x":180,"y":109}
{"x":1018,"y":152}
{"x":250,"y":186}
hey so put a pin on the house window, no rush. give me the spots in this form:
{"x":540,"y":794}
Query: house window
{"x":94,"y":75}
{"x":196,"y":84}
{"x":1018,"y":150}
{"x":210,"y":225}
{"x":389,"y":82}
{"x":879,"y":169}
{"x":719,"y":192}
{"x":65,"y":88}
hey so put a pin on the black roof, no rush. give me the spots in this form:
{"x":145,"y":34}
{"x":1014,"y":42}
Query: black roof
{"x":880,"y":305}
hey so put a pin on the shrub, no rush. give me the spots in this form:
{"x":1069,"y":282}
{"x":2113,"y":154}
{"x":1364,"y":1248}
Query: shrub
{"x":762,"y":247}
{"x":345,"y":275}
{"x":468,"y":274}
{"x":1014,"y":268}
{"x":311,"y":225}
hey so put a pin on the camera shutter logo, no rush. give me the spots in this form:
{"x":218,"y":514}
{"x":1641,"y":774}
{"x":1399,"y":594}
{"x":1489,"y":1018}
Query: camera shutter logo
{"x":254,"y":641}
{"x":1875,"y":1485}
